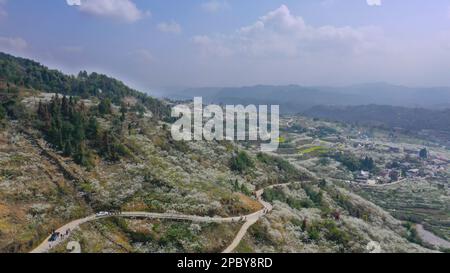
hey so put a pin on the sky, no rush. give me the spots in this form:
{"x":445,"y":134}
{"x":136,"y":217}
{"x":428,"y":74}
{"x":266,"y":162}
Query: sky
{"x":156,"y":44}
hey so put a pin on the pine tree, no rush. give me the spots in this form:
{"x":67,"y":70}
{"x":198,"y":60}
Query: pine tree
{"x":55,"y":106}
{"x":40,"y":109}
{"x":123,"y":111}
{"x":44,"y":115}
{"x":68,"y":148}
{"x":105,"y":144}
{"x":79,"y":128}
{"x":82,"y":156}
{"x":2,"y":112}
{"x":92,"y":129}
{"x":105,"y":107}
{"x":423,"y":153}
{"x":65,"y":106}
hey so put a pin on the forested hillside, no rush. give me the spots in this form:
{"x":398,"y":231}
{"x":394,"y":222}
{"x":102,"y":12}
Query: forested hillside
{"x":30,"y":74}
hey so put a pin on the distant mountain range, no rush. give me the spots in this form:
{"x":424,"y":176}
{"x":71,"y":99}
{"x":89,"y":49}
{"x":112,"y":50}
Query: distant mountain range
{"x":413,"y":119}
{"x":296,"y":99}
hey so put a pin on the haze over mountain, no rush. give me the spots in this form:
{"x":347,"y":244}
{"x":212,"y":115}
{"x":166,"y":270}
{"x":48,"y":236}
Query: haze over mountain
{"x":393,"y":116}
{"x":296,"y":98}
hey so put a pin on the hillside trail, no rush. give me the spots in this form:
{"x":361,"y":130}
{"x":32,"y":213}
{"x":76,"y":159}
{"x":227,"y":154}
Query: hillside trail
{"x":248,"y":220}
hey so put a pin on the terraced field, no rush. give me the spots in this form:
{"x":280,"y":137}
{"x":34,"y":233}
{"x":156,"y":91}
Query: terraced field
{"x":418,"y":201}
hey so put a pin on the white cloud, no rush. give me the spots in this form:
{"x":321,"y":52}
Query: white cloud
{"x":12,"y":44}
{"x":212,"y":46}
{"x":123,"y":10}
{"x":281,"y":34}
{"x":73,"y":2}
{"x":374,"y":2}
{"x":215,"y":6}
{"x":169,"y":27}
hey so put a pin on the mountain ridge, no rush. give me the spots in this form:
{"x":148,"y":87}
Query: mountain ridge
{"x":297,"y":98}
{"x":27,"y":73}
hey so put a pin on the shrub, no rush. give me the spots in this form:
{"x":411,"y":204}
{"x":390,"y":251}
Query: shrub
{"x":176,"y":233}
{"x":313,"y":231}
{"x":412,"y":234}
{"x":355,"y":211}
{"x":260,"y":233}
{"x":323,"y":161}
{"x":271,"y":195}
{"x":241,"y":162}
{"x":299,"y":203}
{"x":316,"y":197}
{"x":333,"y":233}
{"x":140,"y":237}
{"x":286,"y":171}
{"x":245,"y":190}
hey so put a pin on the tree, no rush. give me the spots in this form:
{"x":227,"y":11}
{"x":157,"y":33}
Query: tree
{"x":18,"y":72}
{"x":105,"y":107}
{"x":93,"y":128}
{"x":65,"y":106}
{"x":394,"y":175}
{"x":423,"y":153}
{"x":68,"y":148}
{"x":241,"y":162}
{"x":78,"y":134}
{"x":367,"y":164}
{"x":83,"y":75}
{"x":83,"y":157}
{"x":348,"y":160}
{"x":105,"y":144}
{"x":2,"y":112}
{"x":123,"y":111}
{"x":323,"y":183}
{"x":245,"y":190}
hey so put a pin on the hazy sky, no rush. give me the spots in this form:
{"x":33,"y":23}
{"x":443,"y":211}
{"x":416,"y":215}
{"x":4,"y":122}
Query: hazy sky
{"x":157,"y":43}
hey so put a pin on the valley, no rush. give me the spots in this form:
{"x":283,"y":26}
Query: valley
{"x":87,"y":159}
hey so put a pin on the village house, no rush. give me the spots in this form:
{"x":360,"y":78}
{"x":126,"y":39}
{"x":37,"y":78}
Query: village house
{"x":362,"y":177}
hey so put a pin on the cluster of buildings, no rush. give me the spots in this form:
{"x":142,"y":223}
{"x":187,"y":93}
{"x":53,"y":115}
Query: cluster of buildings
{"x":416,"y":167}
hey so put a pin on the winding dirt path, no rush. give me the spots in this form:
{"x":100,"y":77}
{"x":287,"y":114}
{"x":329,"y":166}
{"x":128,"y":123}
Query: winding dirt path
{"x":249,"y":220}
